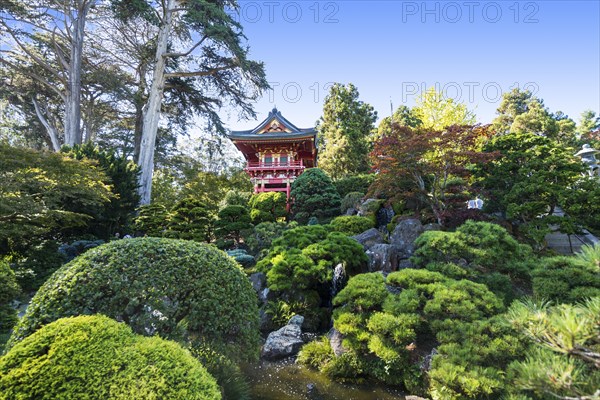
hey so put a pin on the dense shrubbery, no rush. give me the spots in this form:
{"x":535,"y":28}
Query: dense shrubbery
{"x":190,"y":219}
{"x":178,"y":289}
{"x":263,"y":234}
{"x":480,"y":251}
{"x":152,"y":220}
{"x":314,"y":196}
{"x":566,"y":279}
{"x":231,"y":223}
{"x":351,"y":224}
{"x":300,"y":266}
{"x":355,"y":183}
{"x":76,"y":358}
{"x":9,"y":289}
{"x":267,"y":207}
{"x":387,"y":323}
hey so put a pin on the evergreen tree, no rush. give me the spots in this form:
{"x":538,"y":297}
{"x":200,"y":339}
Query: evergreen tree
{"x":191,"y":220}
{"x":314,"y":196}
{"x":344,"y":131}
{"x":232,"y":220}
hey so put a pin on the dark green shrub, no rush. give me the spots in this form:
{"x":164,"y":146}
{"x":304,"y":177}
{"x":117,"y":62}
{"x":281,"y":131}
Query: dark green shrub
{"x":235,"y":198}
{"x":565,"y":280}
{"x":356,"y":183}
{"x":231,"y":222}
{"x":40,"y":261}
{"x":76,"y":358}
{"x":9,"y":290}
{"x":314,"y":196}
{"x":351,"y":224}
{"x":152,"y":220}
{"x":351,"y":200}
{"x":175,"y":288}
{"x":259,"y":240}
{"x":242,"y":257}
{"x":190,"y":219}
{"x":267,"y":207}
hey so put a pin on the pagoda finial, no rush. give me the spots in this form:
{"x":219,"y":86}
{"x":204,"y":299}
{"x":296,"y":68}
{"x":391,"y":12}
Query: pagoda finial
{"x":274,"y":111}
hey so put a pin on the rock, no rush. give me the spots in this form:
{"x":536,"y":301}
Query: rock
{"x":284,"y":342}
{"x":369,"y":206}
{"x":383,"y":217}
{"x":383,"y":257}
{"x":432,"y":227}
{"x":404,"y":264}
{"x":351,"y":211}
{"x":259,"y":281}
{"x":393,"y":289}
{"x":404,"y":236}
{"x":369,"y":238}
{"x":415,"y":398}
{"x":265,"y":320}
{"x":335,"y":341}
{"x":426,"y":363}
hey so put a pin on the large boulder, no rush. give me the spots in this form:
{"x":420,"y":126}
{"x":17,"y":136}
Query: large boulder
{"x":335,"y":341}
{"x":284,"y":342}
{"x":404,"y":236}
{"x":383,"y":257}
{"x":369,"y":207}
{"x":369,"y":238}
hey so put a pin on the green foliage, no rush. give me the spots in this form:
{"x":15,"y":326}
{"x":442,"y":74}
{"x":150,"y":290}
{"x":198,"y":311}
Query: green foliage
{"x":175,"y":288}
{"x":354,"y":183}
{"x":33,"y":268}
{"x":565,"y":362}
{"x":479,"y":251}
{"x":542,"y":176}
{"x":351,"y":200}
{"x":227,"y":373}
{"x":152,"y":220}
{"x":316,"y":353}
{"x":9,"y":290}
{"x":267,"y":207}
{"x":46,"y":195}
{"x":76,"y":358}
{"x":231,"y":222}
{"x":314,"y":196}
{"x":344,"y":131}
{"x":259,"y":240}
{"x":565,"y":280}
{"x":123,"y":178}
{"x":435,"y":111}
{"x":236,"y":198}
{"x":385,"y":321}
{"x":190,"y":219}
{"x":242,"y":257}
{"x":351,"y":224}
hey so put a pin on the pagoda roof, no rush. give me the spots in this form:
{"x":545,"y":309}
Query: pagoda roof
{"x":275,"y":126}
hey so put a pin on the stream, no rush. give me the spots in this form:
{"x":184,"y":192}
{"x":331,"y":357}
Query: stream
{"x":285,"y":380}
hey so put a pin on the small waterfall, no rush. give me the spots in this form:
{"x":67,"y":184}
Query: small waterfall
{"x":339,"y":280}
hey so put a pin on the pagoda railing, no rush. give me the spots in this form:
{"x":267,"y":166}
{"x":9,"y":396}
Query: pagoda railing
{"x":259,"y":165}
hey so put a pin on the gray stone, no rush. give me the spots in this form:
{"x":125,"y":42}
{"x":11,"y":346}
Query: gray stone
{"x":369,"y":238}
{"x":383,"y":257}
{"x":432,"y":227}
{"x":415,"y":398}
{"x":404,"y":264}
{"x":335,"y":340}
{"x":259,"y":281}
{"x":369,"y":206}
{"x":426,"y":363}
{"x":284,"y":342}
{"x":265,"y":320}
{"x":405,"y":234}
{"x":351,"y":211}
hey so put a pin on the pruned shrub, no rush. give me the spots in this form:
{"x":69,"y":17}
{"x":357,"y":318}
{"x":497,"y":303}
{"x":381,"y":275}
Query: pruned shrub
{"x":267,"y":207}
{"x":314,"y":196}
{"x":351,"y":200}
{"x":178,"y":289}
{"x":566,"y":279}
{"x":94,"y":357}
{"x":355,"y":183}
{"x":352,"y":224}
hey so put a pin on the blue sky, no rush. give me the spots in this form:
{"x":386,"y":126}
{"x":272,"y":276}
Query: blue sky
{"x":392,"y":50}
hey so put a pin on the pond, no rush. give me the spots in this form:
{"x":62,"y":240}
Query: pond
{"x":285,"y":380}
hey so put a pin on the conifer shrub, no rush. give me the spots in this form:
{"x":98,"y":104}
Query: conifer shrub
{"x":260,"y":238}
{"x":267,"y":207}
{"x":190,"y":219}
{"x":152,"y":220}
{"x":9,"y":290}
{"x":178,"y":289}
{"x":94,"y":357}
{"x":231,"y":222}
{"x":566,"y":279}
{"x":314,"y":196}
{"x":485,"y":252}
{"x":351,"y":224}
{"x":354,"y":183}
{"x":390,"y":323}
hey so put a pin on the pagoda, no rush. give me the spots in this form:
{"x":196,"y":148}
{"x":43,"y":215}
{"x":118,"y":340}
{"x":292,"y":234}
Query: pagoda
{"x":277,"y":152}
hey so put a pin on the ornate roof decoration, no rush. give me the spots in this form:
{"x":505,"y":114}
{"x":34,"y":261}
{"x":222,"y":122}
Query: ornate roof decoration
{"x":274,"y":126}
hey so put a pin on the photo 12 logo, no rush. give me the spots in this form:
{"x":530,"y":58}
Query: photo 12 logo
{"x":468,"y":92}
{"x":293,"y":92}
{"x":254,"y":12}
{"x":453,"y":12}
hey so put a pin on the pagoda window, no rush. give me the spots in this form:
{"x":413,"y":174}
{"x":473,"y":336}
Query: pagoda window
{"x":283,"y":159}
{"x":268,"y":159}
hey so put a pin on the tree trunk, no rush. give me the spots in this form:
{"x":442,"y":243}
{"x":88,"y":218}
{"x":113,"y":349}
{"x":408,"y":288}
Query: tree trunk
{"x":73,"y":96}
{"x":52,"y":132}
{"x":152,"y":107}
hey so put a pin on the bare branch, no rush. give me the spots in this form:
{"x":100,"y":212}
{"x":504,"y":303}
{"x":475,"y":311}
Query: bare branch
{"x":187,"y":53}
{"x":51,"y":129}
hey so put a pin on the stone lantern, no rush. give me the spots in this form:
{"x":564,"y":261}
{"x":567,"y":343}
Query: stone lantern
{"x":588,"y":156}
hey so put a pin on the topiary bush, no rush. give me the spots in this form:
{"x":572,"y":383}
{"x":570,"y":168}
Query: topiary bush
{"x":351,"y":224}
{"x":190,"y":219}
{"x":231,"y":222}
{"x":314,"y":196}
{"x":177,"y":289}
{"x":94,"y":357}
{"x":152,"y":220}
